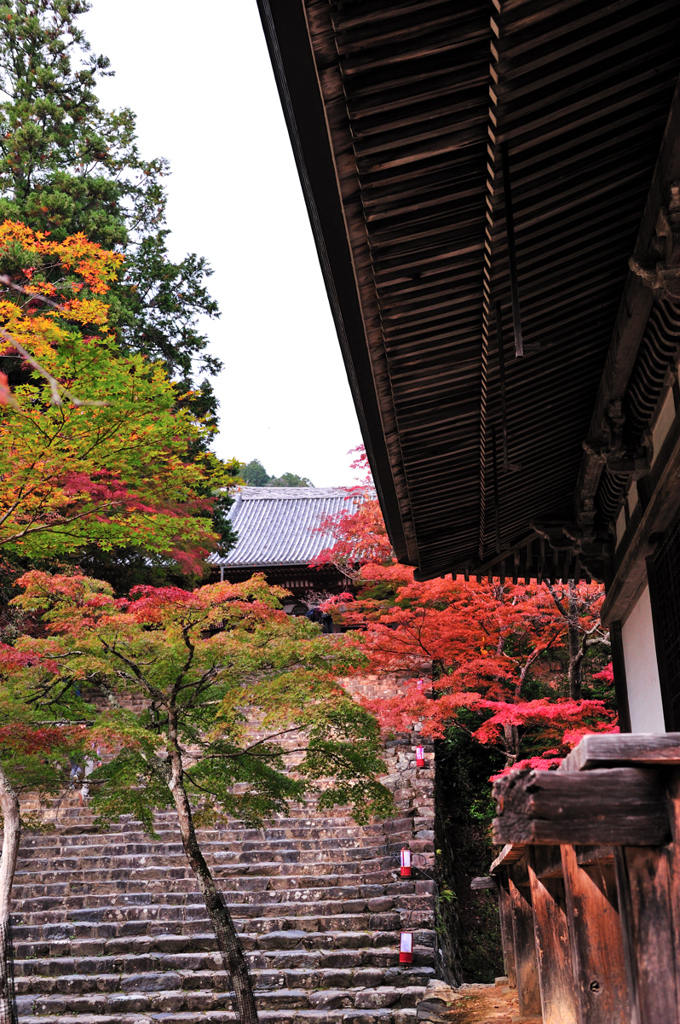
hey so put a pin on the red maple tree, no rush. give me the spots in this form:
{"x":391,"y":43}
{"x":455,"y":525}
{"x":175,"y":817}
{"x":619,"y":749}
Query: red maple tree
{"x":487,"y":657}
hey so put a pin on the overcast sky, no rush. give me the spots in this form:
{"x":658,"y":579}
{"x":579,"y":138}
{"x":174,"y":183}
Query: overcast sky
{"x":199,"y":78}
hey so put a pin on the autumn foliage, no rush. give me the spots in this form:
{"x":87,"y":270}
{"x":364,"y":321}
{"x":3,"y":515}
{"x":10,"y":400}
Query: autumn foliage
{"x":502,"y":661}
{"x":93,"y":448}
{"x":219,"y":662}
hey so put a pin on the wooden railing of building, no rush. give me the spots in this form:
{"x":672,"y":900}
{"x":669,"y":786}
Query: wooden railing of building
{"x":589,"y":883}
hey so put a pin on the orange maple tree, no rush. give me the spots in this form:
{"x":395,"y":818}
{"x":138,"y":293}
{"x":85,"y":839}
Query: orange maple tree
{"x":93,"y":449}
{"x":474,"y":655}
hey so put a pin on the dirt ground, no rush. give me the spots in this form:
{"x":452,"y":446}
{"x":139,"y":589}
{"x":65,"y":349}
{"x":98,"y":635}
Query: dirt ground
{"x":497,"y":1005}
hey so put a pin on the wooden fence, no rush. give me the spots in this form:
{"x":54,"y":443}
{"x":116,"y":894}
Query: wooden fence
{"x":588,"y":883}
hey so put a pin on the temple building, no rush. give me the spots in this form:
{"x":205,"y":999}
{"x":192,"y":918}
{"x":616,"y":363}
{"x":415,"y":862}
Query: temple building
{"x":279,"y":533}
{"x":494,"y":190}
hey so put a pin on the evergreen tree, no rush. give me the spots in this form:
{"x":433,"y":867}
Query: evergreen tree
{"x":255,"y":475}
{"x":67,"y":165}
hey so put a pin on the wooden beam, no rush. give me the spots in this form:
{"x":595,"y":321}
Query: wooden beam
{"x":485,"y":882}
{"x":608,"y":751}
{"x":645,"y":528}
{"x":512,"y":255}
{"x":620,"y":684}
{"x":501,"y":380}
{"x":634,"y":309}
{"x":550,"y":808}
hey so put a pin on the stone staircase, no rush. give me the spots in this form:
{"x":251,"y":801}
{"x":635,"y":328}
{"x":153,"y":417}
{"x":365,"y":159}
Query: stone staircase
{"x":109,"y":928}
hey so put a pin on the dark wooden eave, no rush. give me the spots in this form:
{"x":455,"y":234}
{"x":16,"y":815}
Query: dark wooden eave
{"x":399,"y":113}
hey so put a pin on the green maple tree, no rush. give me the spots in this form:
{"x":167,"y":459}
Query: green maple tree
{"x":217,"y":678}
{"x":40,"y":742}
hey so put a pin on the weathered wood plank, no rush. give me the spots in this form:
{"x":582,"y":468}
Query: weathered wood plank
{"x":615,"y":806}
{"x":674,"y":862}
{"x":587,"y":856}
{"x":600,"y":751}
{"x":596,"y":944}
{"x":553,"y":952}
{"x":510,"y":853}
{"x":526,"y":965}
{"x":546,"y":861}
{"x":643,"y":881}
{"x":507,"y":930}
{"x":484,"y":882}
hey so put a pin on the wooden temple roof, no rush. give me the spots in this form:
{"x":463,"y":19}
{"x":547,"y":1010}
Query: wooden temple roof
{"x":428,"y":134}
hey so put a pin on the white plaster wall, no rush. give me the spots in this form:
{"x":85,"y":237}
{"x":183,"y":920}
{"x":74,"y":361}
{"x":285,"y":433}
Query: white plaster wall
{"x":642,"y":673}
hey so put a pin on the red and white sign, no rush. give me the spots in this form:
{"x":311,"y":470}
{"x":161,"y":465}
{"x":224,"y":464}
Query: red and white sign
{"x":420,"y":757}
{"x":405,"y":862}
{"x":406,"y":948}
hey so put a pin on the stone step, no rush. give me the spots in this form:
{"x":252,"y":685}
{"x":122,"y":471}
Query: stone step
{"x":191,"y":912}
{"x":187,"y":972}
{"x":346,"y":861}
{"x":183,"y":889}
{"x":138,"y":847}
{"x":168,"y":819}
{"x":374,"y":1016}
{"x":165,"y":942}
{"x":178,"y":879}
{"x":284,"y":862}
{"x":268,"y":962}
{"x":210,"y":986}
{"x":178,"y":1000}
{"x":254,"y":894}
{"x":317,"y":922}
{"x":285,"y":828}
{"x":386,"y":882}
{"x":110,"y":928}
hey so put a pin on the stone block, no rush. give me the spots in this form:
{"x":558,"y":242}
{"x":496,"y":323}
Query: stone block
{"x":330,"y":999}
{"x":376,"y":998}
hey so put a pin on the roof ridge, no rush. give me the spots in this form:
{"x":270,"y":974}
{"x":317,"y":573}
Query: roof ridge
{"x":255,"y":493}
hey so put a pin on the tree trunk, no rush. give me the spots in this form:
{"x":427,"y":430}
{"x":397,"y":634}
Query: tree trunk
{"x":511,"y":735}
{"x":9,"y":802}
{"x":575,"y":652}
{"x":228,"y":942}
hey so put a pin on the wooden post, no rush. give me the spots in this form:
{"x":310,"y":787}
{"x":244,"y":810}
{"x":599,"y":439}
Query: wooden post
{"x":674,"y":860}
{"x":507,"y":931}
{"x":596,"y":943}
{"x":528,"y":992}
{"x":553,"y":952}
{"x":644,"y":880}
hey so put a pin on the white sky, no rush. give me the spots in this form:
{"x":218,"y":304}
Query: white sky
{"x":198,"y":77}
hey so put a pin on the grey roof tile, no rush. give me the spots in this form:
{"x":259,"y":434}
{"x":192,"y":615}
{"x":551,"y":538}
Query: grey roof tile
{"x":278,"y":525}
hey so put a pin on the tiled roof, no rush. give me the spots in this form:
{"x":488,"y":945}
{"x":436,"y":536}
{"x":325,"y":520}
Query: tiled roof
{"x":277,"y":525}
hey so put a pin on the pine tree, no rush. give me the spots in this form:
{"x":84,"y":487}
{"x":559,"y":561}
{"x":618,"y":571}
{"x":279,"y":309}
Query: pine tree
{"x":67,"y":165}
